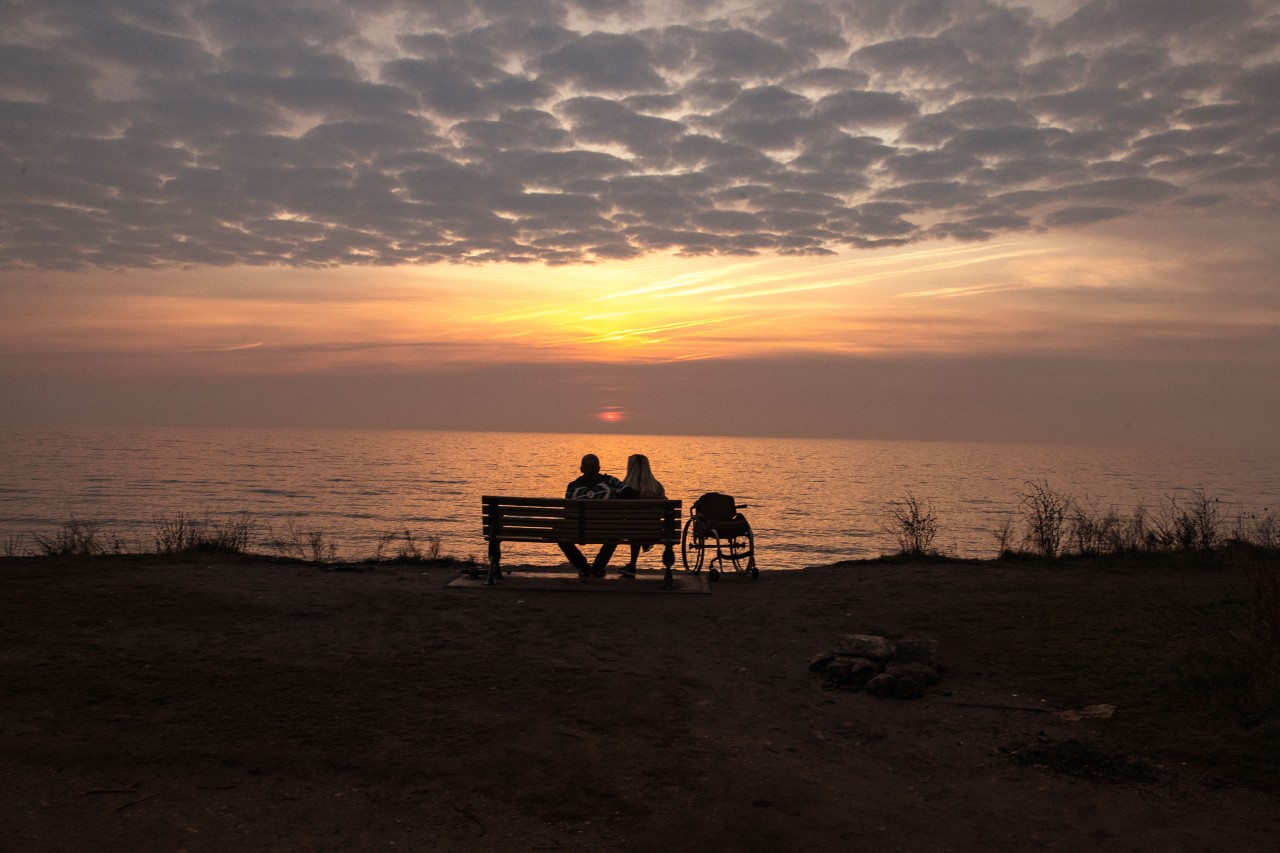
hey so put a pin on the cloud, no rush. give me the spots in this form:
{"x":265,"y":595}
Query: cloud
{"x":804,"y":26}
{"x":854,"y":108}
{"x":601,"y":121}
{"x":603,"y":62}
{"x":731,"y":53}
{"x":1153,"y":19}
{"x":1261,"y":84}
{"x":1068,"y":216}
{"x":525,"y":128}
{"x":297,"y":132}
{"x":137,"y":48}
{"x":28,"y":72}
{"x":1132,"y":190}
{"x":925,"y":58}
{"x":458,"y":88}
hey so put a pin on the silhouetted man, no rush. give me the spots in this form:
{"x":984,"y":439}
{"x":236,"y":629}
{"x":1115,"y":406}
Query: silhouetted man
{"x":594,"y":486}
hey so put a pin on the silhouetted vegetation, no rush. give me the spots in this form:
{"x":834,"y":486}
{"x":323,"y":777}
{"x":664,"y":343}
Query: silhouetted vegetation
{"x":312,"y":546}
{"x":404,"y":547}
{"x":238,"y":533}
{"x":182,"y":533}
{"x":78,"y":538}
{"x":1048,"y":524}
{"x":914,"y":526}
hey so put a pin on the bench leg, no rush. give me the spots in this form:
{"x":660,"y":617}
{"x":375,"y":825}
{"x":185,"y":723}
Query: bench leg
{"x":668,"y":560}
{"x":495,"y":562}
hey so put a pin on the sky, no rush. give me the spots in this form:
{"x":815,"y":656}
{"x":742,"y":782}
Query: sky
{"x":900,"y":219}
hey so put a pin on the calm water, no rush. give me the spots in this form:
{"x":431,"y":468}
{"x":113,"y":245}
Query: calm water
{"x":809,"y":501}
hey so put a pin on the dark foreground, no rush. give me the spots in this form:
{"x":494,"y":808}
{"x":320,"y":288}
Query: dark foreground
{"x":208,"y":704}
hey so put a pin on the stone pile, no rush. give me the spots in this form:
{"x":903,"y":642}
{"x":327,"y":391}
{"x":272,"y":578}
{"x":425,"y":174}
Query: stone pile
{"x":904,"y":669}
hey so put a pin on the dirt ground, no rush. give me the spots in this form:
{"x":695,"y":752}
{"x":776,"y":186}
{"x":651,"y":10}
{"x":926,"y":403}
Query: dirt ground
{"x":237,"y":703}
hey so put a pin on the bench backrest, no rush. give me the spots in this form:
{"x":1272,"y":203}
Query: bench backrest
{"x":516,"y":519}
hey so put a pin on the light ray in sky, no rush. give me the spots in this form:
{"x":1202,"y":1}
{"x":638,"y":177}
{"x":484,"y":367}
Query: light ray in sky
{"x":956,"y":292}
{"x":645,"y":333}
{"x":873,"y":277}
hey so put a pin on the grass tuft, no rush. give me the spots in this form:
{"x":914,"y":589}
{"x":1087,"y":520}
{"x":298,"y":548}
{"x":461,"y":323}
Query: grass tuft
{"x":14,"y":545}
{"x":78,"y":538}
{"x":313,"y":546}
{"x":405,"y":547}
{"x":183,"y":534}
{"x":237,"y":533}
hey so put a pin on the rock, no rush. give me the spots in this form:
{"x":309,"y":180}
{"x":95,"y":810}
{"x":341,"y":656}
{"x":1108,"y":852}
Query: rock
{"x":917,"y":650}
{"x":906,"y":669}
{"x":819,"y":664}
{"x":926,"y":675}
{"x":837,"y":670}
{"x":909,"y":688}
{"x":883,"y":684}
{"x":865,"y":646}
{"x":849,"y":673}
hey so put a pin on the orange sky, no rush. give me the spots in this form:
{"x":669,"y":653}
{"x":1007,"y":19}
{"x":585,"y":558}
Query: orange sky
{"x":1076,"y":337}
{"x":1072,"y":292}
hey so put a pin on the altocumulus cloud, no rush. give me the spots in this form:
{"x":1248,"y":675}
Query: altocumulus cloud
{"x":136,"y":133}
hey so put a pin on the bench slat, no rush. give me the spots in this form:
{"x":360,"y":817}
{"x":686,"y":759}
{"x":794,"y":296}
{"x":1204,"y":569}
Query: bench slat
{"x":640,"y":539}
{"x":561,"y":520}
{"x":538,"y":512}
{"x":562,"y":502}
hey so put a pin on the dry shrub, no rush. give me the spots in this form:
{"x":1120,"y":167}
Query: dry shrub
{"x":78,"y":538}
{"x":1195,"y":524}
{"x":1091,"y":532}
{"x":408,"y":549}
{"x":913,"y":526}
{"x":1260,"y":531}
{"x":1044,"y":518}
{"x":1050,"y":524}
{"x":311,"y":545}
{"x":182,"y":533}
{"x":14,"y":546}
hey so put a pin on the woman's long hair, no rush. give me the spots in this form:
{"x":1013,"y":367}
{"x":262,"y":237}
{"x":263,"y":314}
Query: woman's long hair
{"x":640,"y":477}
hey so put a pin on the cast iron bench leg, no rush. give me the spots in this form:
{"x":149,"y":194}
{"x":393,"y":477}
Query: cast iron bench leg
{"x":495,"y":559}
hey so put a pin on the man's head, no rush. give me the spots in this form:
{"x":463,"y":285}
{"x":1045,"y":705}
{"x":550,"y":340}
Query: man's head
{"x":590,"y":464}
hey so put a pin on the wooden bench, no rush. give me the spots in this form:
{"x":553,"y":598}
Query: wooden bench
{"x":551,"y":520}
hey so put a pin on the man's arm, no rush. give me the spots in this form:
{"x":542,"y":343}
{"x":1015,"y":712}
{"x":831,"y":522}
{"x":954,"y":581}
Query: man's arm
{"x":620,"y":489}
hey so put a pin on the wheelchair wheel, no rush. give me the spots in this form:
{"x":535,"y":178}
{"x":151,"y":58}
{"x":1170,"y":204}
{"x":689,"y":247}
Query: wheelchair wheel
{"x":692,"y":546}
{"x":742,"y":553}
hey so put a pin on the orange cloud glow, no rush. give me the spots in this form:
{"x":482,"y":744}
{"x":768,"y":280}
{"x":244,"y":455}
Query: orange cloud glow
{"x":1033,"y":293}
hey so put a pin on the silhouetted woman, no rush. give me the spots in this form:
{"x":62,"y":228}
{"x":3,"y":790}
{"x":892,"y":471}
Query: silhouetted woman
{"x":640,"y":477}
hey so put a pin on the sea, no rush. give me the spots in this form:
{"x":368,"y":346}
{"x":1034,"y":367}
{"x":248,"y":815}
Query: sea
{"x":809,"y":501}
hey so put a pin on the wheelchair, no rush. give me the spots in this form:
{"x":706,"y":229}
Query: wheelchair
{"x":716,"y":525}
